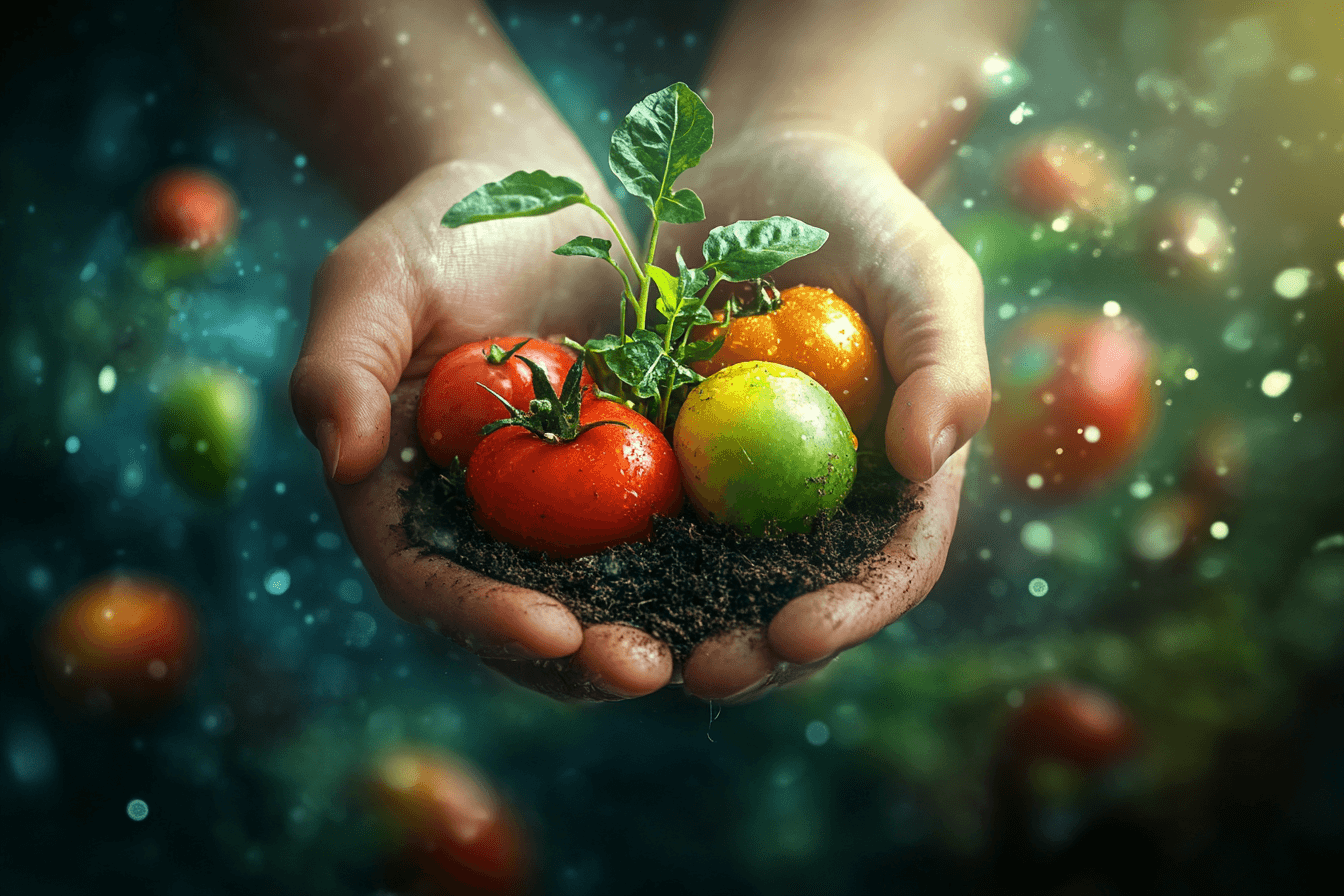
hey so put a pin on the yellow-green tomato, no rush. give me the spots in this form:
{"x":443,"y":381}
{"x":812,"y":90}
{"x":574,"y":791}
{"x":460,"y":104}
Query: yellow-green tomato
{"x":206,"y":418}
{"x":765,"y":449}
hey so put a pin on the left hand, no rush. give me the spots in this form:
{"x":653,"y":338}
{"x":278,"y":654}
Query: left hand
{"x":922,"y":296}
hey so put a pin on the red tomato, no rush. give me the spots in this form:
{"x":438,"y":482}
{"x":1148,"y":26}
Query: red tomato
{"x":1073,"y":723}
{"x":190,"y":209}
{"x":454,"y":407}
{"x":1075,"y":400}
{"x":450,"y":823}
{"x":1188,"y":236}
{"x":817,"y":332}
{"x":122,"y":644}
{"x":1071,"y":171}
{"x":578,"y":497}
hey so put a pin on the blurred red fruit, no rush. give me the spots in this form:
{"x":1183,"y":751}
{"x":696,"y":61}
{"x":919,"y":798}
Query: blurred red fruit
{"x":1071,"y":172}
{"x":1075,"y":400}
{"x":1188,"y":237}
{"x":449,"y":823}
{"x":121,"y":644}
{"x":189,"y":209}
{"x":1070,"y":723}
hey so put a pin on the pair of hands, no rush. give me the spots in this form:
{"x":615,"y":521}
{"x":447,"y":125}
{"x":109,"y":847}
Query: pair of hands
{"x":402,"y":290}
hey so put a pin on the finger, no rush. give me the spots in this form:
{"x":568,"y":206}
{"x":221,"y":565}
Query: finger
{"x":558,"y":679}
{"x":358,"y":342}
{"x":822,"y":623}
{"x":623,"y":660}
{"x":486,"y":616}
{"x":734,"y":666}
{"x":933,"y":338}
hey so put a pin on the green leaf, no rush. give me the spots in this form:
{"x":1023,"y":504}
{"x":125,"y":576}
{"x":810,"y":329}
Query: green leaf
{"x":692,"y":280}
{"x":750,"y":249}
{"x":643,"y":365}
{"x":665,"y":134}
{"x":702,"y":349}
{"x":667,"y":289}
{"x":522,"y":194}
{"x":589,"y":246}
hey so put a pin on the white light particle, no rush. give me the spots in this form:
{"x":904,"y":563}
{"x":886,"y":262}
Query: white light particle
{"x":1111,"y":308}
{"x":407,"y":455}
{"x":959,"y":103}
{"x":1092,"y":434}
{"x":1191,"y":374}
{"x":1292,"y":283}
{"x":995,"y":65}
{"x":1038,"y":587}
{"x":1038,"y":537}
{"x":1007,"y":311}
{"x":1022,"y":112}
{"x":817,"y":733}
{"x":138,"y":810}
{"x":1140,"y":489}
{"x":300,"y":161}
{"x":1276,"y":382}
{"x":1218,"y":530}
{"x":279,"y":488}
{"x":1339,"y":269}
{"x":497,"y":110}
{"x":277,"y":581}
{"x":1303,"y":71}
{"x":1061,"y":224}
{"x":107,"y":379}
{"x":403,"y":38}
{"x":72,"y":444}
{"x":1144,"y":192}
{"x":1035,"y":481}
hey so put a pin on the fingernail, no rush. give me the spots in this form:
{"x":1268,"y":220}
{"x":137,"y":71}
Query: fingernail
{"x":329,"y":445}
{"x":943,"y":446}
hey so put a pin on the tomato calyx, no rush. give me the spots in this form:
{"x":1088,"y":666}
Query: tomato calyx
{"x":766,"y":298}
{"x":497,"y":355}
{"x":552,"y":418}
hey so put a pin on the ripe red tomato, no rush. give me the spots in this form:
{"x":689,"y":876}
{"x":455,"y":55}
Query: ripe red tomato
{"x":578,"y":497}
{"x":1075,"y":400}
{"x":454,"y":407}
{"x":450,"y":823}
{"x":120,"y":644}
{"x":1073,"y":723}
{"x":1071,"y":171}
{"x":188,"y":208}
{"x":817,"y":332}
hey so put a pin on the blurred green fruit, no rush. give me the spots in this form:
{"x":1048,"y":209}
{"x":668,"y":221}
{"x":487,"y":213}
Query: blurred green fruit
{"x":205,"y":423}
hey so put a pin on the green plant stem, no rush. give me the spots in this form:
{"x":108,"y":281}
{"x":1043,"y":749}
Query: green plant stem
{"x":620,"y":238}
{"x":642,"y":312}
{"x":664,"y":402}
{"x":627,"y":295}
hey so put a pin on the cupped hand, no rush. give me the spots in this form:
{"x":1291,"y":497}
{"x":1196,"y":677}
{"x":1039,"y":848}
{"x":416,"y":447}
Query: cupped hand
{"x":922,"y":296}
{"x":396,"y":295}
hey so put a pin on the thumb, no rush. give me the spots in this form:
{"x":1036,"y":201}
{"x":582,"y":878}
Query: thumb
{"x":933,"y":337}
{"x":358,"y":343}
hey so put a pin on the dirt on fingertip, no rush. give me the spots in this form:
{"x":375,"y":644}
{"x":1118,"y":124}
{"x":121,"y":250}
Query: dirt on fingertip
{"x":690,"y":581}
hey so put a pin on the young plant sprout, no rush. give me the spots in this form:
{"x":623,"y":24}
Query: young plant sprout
{"x":664,"y":135}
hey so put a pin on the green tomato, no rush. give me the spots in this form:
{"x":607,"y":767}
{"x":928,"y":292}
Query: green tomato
{"x":1003,"y":244}
{"x":206,"y":418}
{"x":765,"y":449}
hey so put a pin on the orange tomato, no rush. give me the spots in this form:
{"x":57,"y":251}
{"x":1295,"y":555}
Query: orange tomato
{"x":190,"y":209}
{"x":817,"y":332}
{"x":450,"y":823}
{"x":121,"y":644}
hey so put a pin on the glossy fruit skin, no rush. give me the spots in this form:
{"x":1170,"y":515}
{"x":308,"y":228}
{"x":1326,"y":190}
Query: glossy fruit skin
{"x":578,"y":497}
{"x":1071,"y":171}
{"x":206,"y":418}
{"x":453,"y":407}
{"x":1069,"y":722}
{"x":765,"y":449}
{"x":814,"y":331}
{"x":448,"y":822}
{"x":1075,"y":401}
{"x":121,"y":644}
{"x":189,"y":209}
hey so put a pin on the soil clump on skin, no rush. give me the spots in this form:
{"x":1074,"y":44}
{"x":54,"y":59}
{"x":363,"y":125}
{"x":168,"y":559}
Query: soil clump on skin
{"x":692,"y":580}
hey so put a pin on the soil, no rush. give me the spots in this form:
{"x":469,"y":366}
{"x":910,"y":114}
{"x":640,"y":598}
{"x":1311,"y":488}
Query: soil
{"x":691,"y":580}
